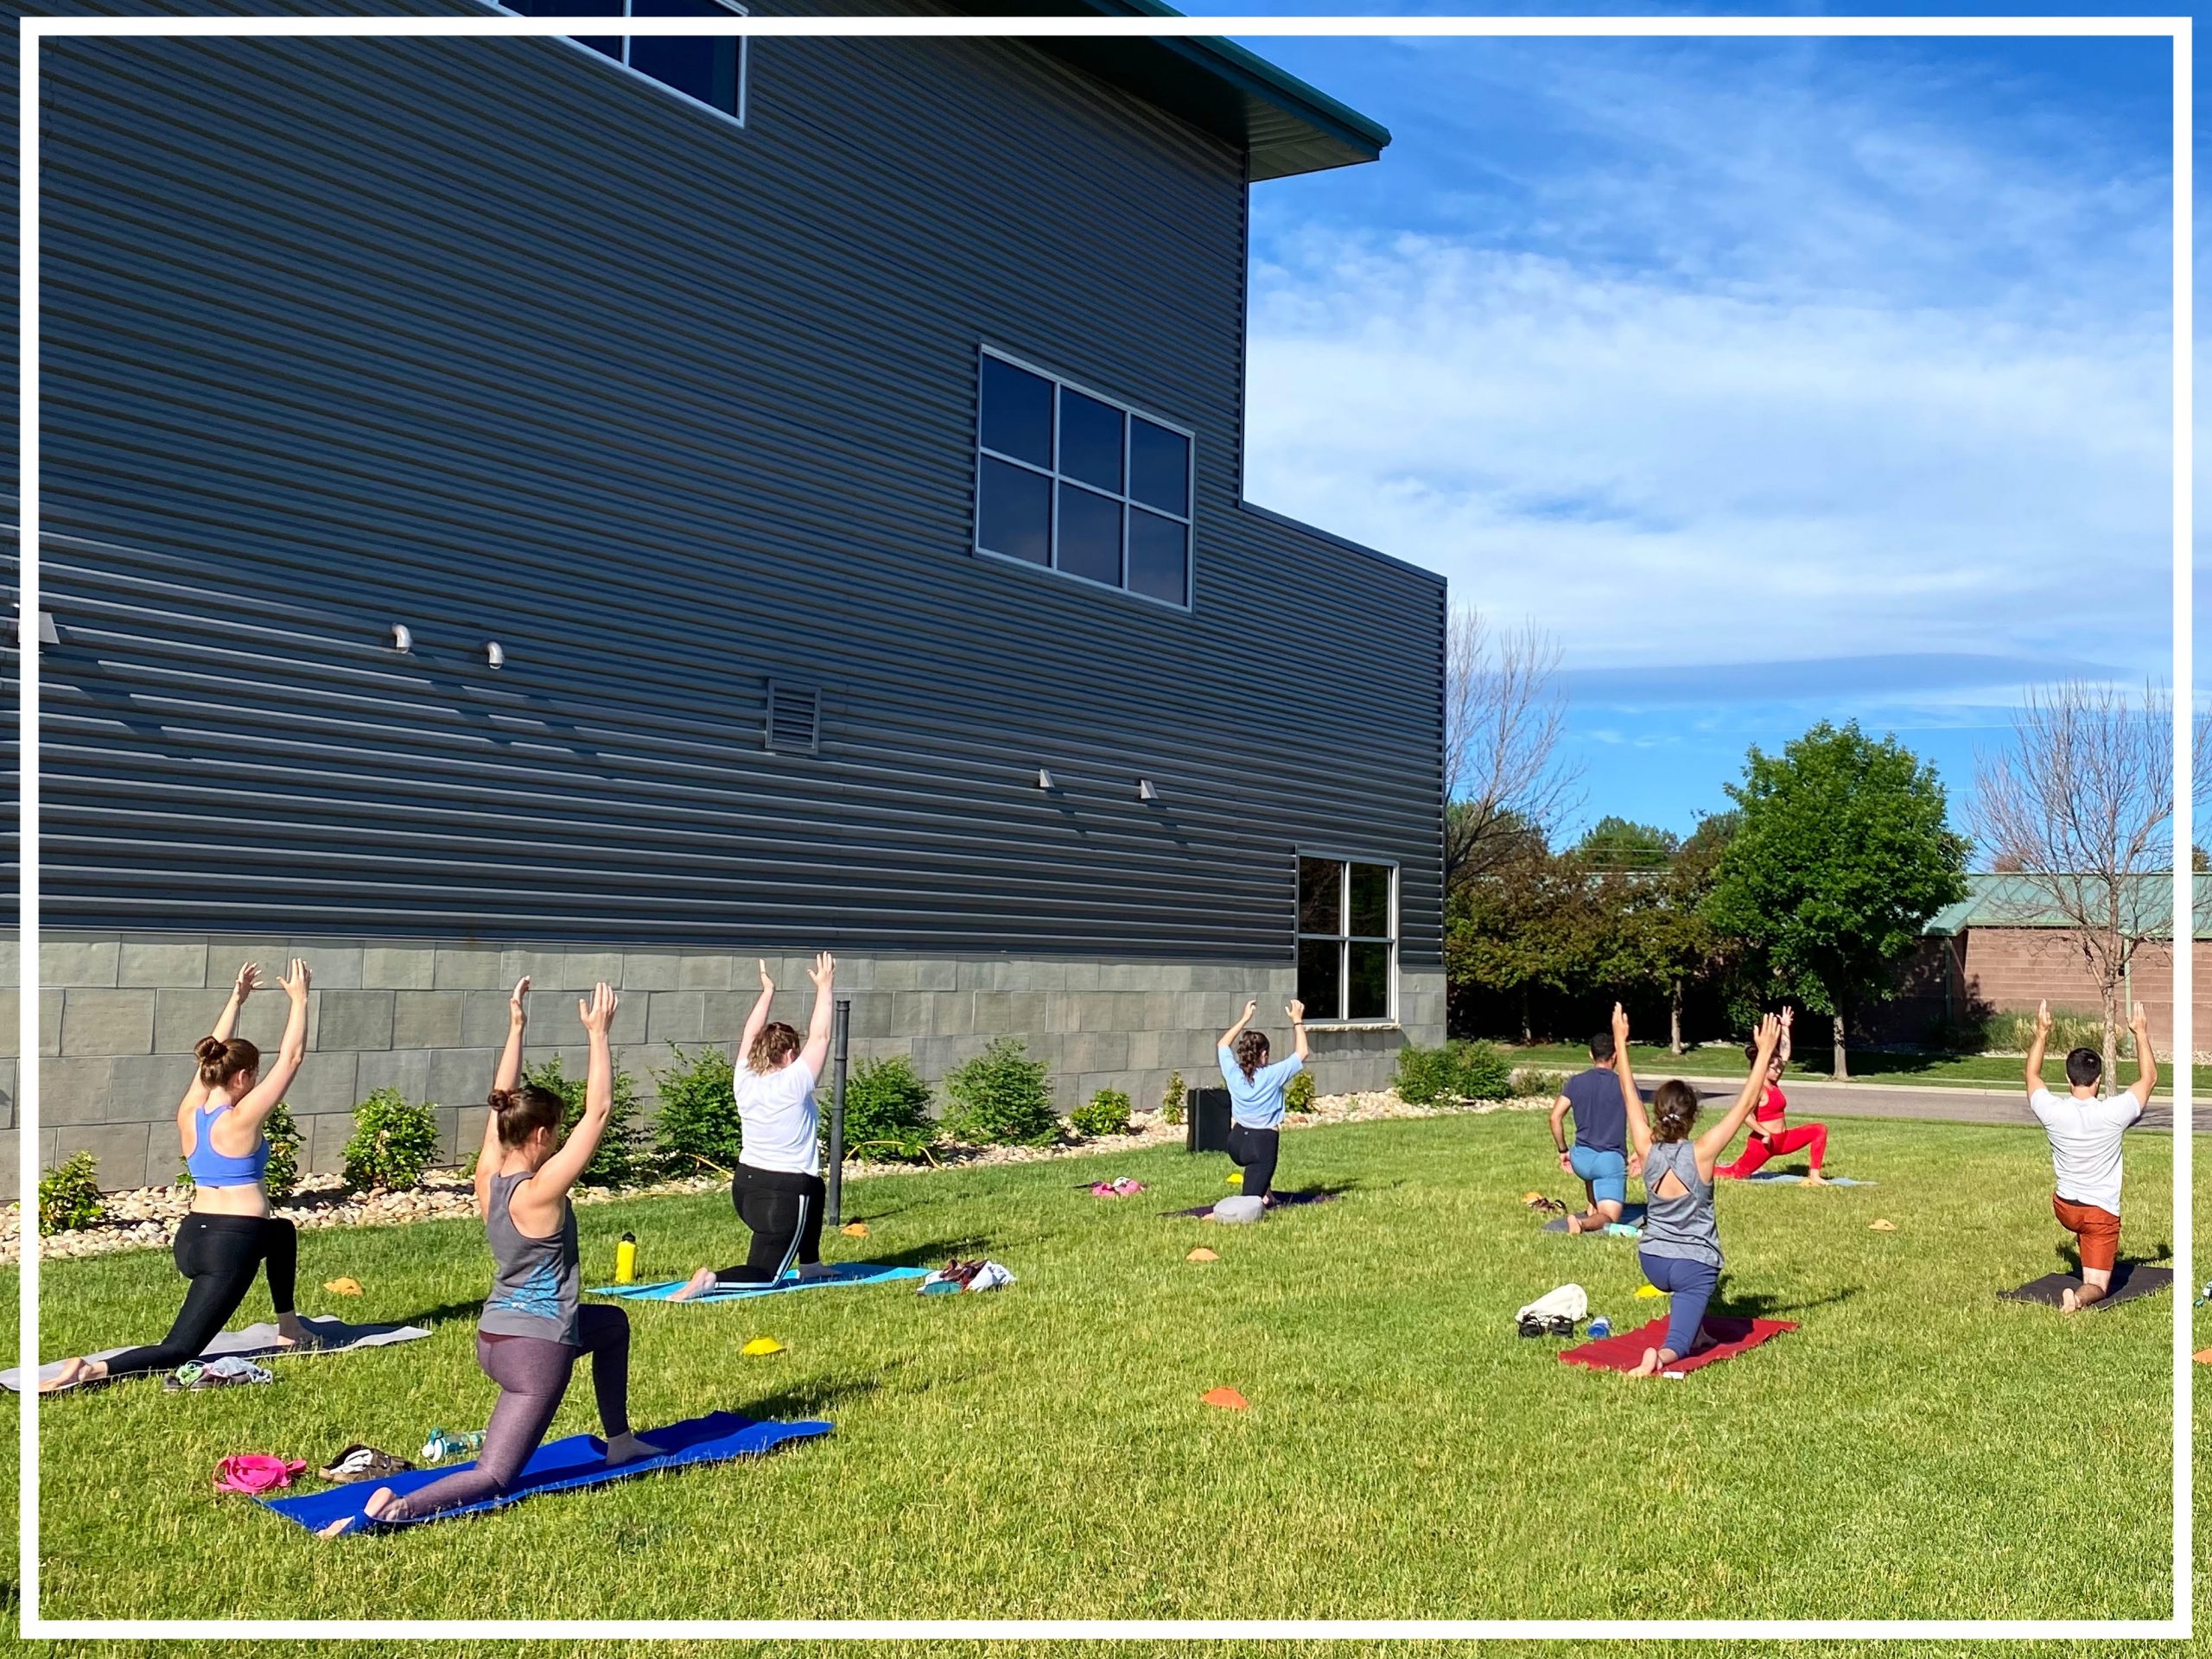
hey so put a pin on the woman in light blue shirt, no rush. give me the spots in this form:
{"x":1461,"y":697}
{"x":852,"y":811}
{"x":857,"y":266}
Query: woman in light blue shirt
{"x":1255,"y":1096}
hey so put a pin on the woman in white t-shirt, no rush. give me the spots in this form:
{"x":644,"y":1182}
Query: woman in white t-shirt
{"x":777,"y":1189}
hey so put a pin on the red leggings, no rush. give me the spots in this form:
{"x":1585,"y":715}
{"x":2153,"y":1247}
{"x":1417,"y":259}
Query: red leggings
{"x":1759,"y":1148}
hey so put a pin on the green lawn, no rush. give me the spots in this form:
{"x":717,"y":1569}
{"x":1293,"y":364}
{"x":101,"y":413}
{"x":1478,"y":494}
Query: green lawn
{"x":1917,"y":1450}
{"x":1652,"y":1061}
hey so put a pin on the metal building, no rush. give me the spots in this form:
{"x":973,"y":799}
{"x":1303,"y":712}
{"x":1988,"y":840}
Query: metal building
{"x":616,"y":509}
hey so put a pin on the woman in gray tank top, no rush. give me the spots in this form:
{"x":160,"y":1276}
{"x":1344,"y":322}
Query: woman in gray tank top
{"x":1680,"y":1250}
{"x":534,"y":1328}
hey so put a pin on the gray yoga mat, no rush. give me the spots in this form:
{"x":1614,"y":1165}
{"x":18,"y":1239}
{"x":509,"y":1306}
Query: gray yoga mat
{"x":2129,"y":1281}
{"x":1786,"y":1178}
{"x":333,"y":1335}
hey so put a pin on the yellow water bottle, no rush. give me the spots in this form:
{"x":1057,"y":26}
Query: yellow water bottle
{"x":626,"y":1260}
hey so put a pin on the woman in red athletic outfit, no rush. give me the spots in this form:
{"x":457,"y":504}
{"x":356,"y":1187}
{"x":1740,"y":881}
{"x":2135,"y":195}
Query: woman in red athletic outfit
{"x":1771,"y":1134}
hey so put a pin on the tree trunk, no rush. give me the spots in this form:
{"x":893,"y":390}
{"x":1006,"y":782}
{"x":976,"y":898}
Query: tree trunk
{"x":1675,"y":1035}
{"x":1528,"y":1034}
{"x":1842,"y":1064}
{"x":2111,"y":1050}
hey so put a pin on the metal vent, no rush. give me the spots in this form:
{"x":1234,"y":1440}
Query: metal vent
{"x":794,"y":718}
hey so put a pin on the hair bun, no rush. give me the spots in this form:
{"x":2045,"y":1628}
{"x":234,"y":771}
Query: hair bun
{"x":208,"y":1050}
{"x":503,"y":1099}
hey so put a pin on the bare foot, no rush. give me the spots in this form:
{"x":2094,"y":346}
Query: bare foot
{"x":1649,"y":1365}
{"x":1575,"y":1224}
{"x":73,"y":1372}
{"x":1814,"y":1177}
{"x":697,"y":1283}
{"x":291,"y":1332}
{"x":626,"y":1447}
{"x":378,"y":1506}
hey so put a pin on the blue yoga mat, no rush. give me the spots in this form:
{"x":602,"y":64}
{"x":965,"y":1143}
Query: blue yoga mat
{"x":846,"y":1273}
{"x":1834,"y":1180}
{"x":576,"y":1461}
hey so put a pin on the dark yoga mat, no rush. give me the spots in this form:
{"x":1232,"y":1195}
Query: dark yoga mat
{"x":1623,"y":1350}
{"x":558,"y":1466}
{"x":1283,"y":1201}
{"x":1632,"y":1216}
{"x":2129,"y":1281}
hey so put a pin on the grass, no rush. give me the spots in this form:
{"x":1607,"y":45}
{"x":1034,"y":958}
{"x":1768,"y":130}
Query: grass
{"x":1041,"y":1451}
{"x":1814,"y":1065}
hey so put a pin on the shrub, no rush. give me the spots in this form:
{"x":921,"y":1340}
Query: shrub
{"x":620,"y":1160}
{"x":1480,"y":1071}
{"x":2010,"y":1034}
{"x":394,"y":1141}
{"x":69,"y":1195}
{"x":1459,"y":1070}
{"x":1531,"y":1081}
{"x":1298,"y":1098}
{"x":1171,"y":1103}
{"x":698,"y":1122}
{"x":887,"y":1113}
{"x":1003,"y":1098}
{"x":1424,"y":1074}
{"x":1106,"y":1113}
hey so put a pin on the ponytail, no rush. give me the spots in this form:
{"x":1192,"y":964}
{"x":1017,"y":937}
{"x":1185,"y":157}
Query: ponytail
{"x":1252,"y":1052}
{"x":221,"y":1060}
{"x":1673,"y":1110}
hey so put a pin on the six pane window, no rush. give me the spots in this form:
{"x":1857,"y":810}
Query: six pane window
{"x":1068,"y":479}
{"x":1347,"y":939}
{"x":707,"y":71}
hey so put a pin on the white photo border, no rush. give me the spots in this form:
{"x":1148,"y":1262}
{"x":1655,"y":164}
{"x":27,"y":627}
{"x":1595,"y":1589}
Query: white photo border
{"x":2177,"y":30}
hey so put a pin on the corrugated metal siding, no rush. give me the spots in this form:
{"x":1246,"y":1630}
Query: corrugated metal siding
{"x":489,"y":340}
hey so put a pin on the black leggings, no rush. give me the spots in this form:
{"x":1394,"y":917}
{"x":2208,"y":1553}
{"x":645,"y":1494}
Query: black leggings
{"x":219,"y":1254}
{"x":785,"y":1212}
{"x":1254,"y":1152}
{"x":532,"y":1374}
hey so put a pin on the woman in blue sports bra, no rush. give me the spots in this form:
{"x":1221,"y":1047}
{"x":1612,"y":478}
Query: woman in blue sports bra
{"x":229,"y":1235}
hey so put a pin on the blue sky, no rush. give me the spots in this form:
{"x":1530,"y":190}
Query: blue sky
{"x":1780,"y":380}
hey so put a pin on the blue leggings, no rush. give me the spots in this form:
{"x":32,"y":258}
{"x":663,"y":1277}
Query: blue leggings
{"x":1691,"y":1285}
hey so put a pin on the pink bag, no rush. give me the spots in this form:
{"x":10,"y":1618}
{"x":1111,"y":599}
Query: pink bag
{"x":253,"y":1473}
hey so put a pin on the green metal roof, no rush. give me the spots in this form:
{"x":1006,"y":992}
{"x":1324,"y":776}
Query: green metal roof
{"x":2022,"y":901}
{"x":1284,"y":126}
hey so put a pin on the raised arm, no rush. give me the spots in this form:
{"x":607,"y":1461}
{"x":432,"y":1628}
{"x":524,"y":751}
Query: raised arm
{"x":509,"y":1072}
{"x":1297,"y":1013}
{"x":1639,"y":1126}
{"x":1714,"y":1141}
{"x":1238,"y":1030}
{"x":1788,"y":1017}
{"x":2035,"y":1046}
{"x":816,"y":1054}
{"x":2147,"y":1063}
{"x":560,"y":1171}
{"x":757,"y":1018}
{"x":249,"y":1113}
{"x":248,"y":981}
{"x":487,"y":1162}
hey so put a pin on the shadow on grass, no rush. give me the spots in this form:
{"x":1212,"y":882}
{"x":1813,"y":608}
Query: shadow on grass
{"x":1760,"y":1305}
{"x":811,"y":1398}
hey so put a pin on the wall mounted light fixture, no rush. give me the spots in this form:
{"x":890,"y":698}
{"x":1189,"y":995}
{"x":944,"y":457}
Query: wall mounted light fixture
{"x":1146,"y":792}
{"x":403,"y":636}
{"x":495,"y":653}
{"x":1043,"y":778}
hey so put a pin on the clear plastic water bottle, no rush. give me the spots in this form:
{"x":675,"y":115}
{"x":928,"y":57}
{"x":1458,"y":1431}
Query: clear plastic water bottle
{"x":1600,"y":1326}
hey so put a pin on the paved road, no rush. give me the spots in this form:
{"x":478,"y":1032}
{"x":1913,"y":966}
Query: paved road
{"x":1948,"y":1105}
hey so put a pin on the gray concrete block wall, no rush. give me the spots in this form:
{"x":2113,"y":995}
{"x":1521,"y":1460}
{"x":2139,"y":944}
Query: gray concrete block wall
{"x":118,"y":1017}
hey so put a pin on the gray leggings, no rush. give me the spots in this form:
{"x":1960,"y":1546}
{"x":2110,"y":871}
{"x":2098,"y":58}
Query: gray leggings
{"x":532,"y":1374}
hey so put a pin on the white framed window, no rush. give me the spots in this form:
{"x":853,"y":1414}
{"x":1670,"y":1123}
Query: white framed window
{"x":709,"y":71}
{"x":1347,"y":939}
{"x":1075,"y":482}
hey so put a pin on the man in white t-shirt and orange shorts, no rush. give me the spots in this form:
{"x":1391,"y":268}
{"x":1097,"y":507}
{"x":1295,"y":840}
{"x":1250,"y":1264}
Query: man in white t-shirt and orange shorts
{"x":2085,"y":1128}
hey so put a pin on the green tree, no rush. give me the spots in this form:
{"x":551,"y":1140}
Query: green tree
{"x":1841,"y":853}
{"x":1615,"y":843}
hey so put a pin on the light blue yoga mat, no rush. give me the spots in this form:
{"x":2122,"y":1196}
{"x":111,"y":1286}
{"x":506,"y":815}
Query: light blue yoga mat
{"x":845,"y":1273}
{"x":1786,"y":1179}
{"x":579,"y":1460}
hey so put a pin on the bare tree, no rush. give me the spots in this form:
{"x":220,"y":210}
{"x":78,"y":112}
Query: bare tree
{"x":1504,"y":714}
{"x":2080,"y":809}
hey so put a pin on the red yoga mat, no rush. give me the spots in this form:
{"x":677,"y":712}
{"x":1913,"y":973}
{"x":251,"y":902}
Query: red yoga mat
{"x":1623,"y":1350}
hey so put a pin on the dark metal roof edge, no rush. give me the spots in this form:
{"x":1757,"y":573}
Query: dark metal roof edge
{"x":1343,"y":541}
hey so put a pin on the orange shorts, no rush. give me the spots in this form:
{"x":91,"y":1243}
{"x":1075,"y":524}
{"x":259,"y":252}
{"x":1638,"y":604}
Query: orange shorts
{"x":2098,"y":1230}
